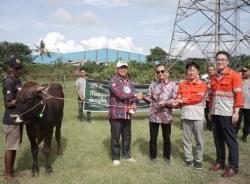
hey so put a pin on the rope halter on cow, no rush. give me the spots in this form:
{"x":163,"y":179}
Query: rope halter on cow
{"x":17,"y":117}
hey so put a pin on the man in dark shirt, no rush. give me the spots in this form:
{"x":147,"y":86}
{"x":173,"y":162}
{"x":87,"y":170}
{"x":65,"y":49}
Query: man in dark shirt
{"x":11,"y":85}
{"x":121,"y":103}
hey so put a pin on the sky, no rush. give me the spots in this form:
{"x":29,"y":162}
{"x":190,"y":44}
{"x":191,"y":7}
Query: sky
{"x":77,"y":25}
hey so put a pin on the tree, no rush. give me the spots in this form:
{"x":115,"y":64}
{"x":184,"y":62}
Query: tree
{"x":42,"y":50}
{"x":156,"y":54}
{"x":8,"y":50}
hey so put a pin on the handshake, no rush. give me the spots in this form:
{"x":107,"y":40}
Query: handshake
{"x":171,"y":103}
{"x":139,"y":96}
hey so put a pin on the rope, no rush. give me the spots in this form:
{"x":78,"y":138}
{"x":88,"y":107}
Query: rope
{"x":67,"y":99}
{"x":41,"y":102}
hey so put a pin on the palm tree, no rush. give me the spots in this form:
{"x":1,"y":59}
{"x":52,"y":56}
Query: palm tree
{"x":41,"y":50}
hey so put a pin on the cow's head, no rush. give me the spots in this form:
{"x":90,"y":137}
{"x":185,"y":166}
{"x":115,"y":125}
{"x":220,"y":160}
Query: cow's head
{"x":30,"y":102}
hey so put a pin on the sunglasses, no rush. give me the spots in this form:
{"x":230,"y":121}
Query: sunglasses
{"x":123,"y":67}
{"x":244,"y":70}
{"x":161,"y":71}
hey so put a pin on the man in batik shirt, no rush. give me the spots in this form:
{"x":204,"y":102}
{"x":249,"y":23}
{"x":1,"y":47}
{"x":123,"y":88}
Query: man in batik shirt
{"x":160,"y":95}
{"x":121,"y":104}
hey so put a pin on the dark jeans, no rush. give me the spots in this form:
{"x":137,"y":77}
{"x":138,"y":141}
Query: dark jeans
{"x":166,"y":131}
{"x":209,"y":123}
{"x":246,"y":114}
{"x":80,"y":107}
{"x":120,"y":127}
{"x":224,"y":133}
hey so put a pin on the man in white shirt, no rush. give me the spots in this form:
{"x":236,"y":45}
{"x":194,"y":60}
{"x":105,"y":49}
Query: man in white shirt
{"x":80,"y":91}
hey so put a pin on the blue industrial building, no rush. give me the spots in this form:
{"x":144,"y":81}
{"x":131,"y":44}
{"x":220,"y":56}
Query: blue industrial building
{"x":99,"y":56}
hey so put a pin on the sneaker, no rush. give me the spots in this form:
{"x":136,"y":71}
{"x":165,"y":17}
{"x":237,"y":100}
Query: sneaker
{"x":167,"y":162}
{"x":116,"y":162}
{"x":153,"y":161}
{"x":197,"y":165}
{"x":131,"y":160}
{"x":188,"y":163}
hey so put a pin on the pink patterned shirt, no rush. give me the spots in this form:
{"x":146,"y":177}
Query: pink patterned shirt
{"x":159,"y":91}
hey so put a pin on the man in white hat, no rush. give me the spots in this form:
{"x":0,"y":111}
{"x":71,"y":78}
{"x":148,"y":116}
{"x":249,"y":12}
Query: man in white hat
{"x":121,"y":103}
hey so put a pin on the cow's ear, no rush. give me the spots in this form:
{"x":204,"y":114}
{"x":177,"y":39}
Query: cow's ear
{"x":43,"y":89}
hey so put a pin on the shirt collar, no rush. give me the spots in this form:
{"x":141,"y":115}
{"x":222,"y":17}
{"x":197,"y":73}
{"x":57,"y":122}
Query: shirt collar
{"x":195,"y":81}
{"x":165,"y":81}
{"x":225,"y":71}
{"x":120,"y":78}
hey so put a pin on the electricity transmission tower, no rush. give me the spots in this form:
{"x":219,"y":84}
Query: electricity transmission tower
{"x":203,"y":27}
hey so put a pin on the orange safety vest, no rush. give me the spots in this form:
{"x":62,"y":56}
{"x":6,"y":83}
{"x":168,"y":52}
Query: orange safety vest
{"x":225,"y":93}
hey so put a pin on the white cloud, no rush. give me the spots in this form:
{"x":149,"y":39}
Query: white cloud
{"x":116,"y":43}
{"x":85,"y":18}
{"x":55,"y":41}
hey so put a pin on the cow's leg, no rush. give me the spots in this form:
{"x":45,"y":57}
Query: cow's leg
{"x":58,"y":140}
{"x":47,"y":150}
{"x":34,"y":151}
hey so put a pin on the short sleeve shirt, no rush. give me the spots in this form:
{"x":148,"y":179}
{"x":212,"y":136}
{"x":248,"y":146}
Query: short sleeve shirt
{"x":11,"y":86}
{"x":81,"y":84}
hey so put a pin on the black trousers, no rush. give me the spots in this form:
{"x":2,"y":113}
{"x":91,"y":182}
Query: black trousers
{"x":209,"y":123}
{"x":120,"y":127}
{"x":166,"y":131}
{"x":224,"y":133}
{"x":245,"y":114}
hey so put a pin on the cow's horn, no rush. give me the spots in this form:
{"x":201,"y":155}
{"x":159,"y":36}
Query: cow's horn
{"x":43,"y":89}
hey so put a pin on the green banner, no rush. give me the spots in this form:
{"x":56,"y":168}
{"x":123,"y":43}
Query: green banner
{"x":97,"y":96}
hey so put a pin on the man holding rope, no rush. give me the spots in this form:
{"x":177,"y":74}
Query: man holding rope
{"x":121,"y":107}
{"x":11,"y":86}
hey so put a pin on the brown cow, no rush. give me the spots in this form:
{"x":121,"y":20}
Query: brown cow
{"x":41,"y":109}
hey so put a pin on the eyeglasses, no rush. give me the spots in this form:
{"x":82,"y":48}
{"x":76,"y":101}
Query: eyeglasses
{"x":161,"y":71}
{"x":222,"y":59}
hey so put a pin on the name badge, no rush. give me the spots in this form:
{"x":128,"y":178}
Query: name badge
{"x":126,"y":89}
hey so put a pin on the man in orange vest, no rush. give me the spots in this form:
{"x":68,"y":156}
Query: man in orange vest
{"x":225,"y":99}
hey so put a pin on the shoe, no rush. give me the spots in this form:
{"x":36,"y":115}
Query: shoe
{"x":229,"y":173}
{"x":116,"y":162}
{"x":216,"y":167}
{"x":153,"y":161}
{"x":131,"y":160}
{"x":197,"y":165}
{"x":244,"y":138}
{"x":188,"y":163}
{"x":167,"y":162}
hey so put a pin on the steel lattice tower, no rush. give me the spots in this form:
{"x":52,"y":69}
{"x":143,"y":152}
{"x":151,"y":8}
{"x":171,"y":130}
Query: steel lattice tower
{"x":209,"y":26}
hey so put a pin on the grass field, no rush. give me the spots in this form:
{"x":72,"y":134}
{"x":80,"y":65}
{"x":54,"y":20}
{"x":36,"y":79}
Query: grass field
{"x":87,"y":157}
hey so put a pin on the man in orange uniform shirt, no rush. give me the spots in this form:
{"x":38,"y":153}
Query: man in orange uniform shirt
{"x":225,"y":99}
{"x":191,"y":96}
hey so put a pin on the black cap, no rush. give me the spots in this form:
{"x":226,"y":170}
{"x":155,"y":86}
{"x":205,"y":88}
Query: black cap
{"x":15,"y":62}
{"x":248,"y":67}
